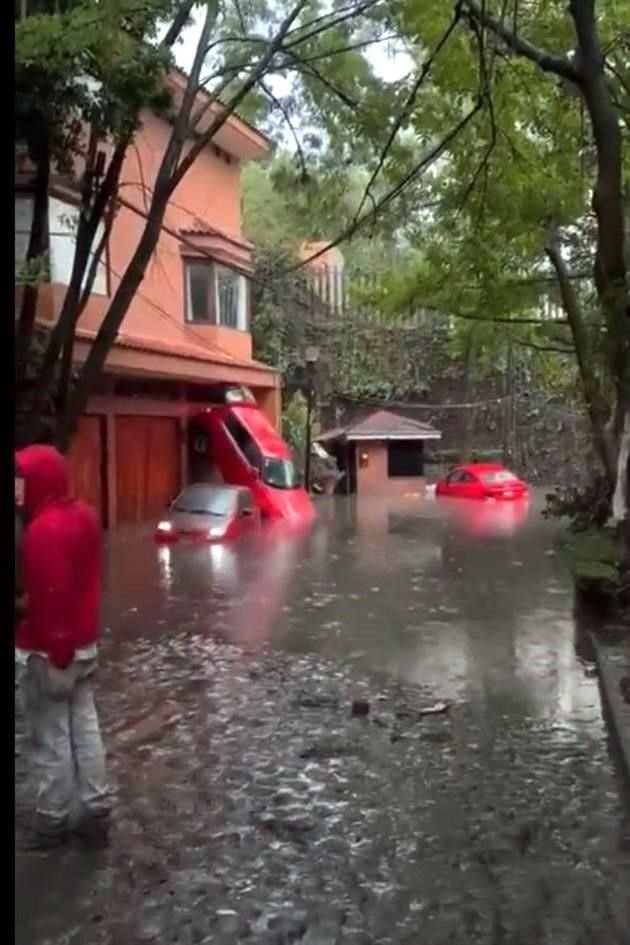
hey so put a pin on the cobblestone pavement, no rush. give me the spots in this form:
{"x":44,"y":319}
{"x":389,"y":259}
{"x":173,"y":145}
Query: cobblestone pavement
{"x":274,"y":797}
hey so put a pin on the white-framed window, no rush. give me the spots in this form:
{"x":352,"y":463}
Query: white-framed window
{"x":62,"y":224}
{"x":23,"y":218}
{"x":215,"y":295}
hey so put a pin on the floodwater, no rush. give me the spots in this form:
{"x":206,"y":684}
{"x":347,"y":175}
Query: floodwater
{"x":251,"y":806}
{"x":466,"y":599}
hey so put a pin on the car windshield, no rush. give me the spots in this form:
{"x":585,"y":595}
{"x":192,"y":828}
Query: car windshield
{"x":497,"y":476}
{"x":280,"y":473}
{"x":206,"y":500}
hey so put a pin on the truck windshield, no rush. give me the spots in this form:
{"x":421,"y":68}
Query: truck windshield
{"x":280,"y":473}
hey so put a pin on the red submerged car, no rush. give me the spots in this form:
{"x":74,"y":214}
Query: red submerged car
{"x":209,"y":513}
{"x":481,"y":481}
{"x":236,"y":439}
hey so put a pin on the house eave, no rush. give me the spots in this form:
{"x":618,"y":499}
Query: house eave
{"x":391,"y":436}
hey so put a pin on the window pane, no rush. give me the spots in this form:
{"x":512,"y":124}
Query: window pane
{"x":23,"y":220}
{"x":231,"y":297}
{"x":280,"y":473}
{"x":247,"y":446}
{"x":497,"y":476}
{"x":199,"y":292}
{"x":404,"y":459}
{"x":62,"y":221}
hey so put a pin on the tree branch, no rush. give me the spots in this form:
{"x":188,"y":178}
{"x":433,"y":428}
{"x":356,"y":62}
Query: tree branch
{"x":430,"y":157}
{"x":351,"y":47}
{"x":552,"y":349}
{"x":557,"y":65}
{"x":406,"y":109}
{"x":327,"y":21}
{"x":93,"y":207}
{"x":285,"y":114}
{"x":301,"y":65}
{"x":506,"y":320}
{"x":178,"y":23}
{"x":69,"y":314}
{"x":169,"y":175}
{"x":230,"y":107}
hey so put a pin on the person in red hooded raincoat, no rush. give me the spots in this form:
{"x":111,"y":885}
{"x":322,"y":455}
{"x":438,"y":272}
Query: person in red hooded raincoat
{"x":56,"y":652}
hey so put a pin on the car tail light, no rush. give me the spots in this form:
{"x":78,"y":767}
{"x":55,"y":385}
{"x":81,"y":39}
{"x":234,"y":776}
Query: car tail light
{"x":165,"y":528}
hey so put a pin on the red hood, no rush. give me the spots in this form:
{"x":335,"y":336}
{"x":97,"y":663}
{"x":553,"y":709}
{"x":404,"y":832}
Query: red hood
{"x":292,"y":505}
{"x":45,"y":475}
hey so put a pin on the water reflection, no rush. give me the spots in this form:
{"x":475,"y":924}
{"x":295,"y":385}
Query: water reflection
{"x":486,"y":519}
{"x":166,"y":566}
{"x":255,"y":616}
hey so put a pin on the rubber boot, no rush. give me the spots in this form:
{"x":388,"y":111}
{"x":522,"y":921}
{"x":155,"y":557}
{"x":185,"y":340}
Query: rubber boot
{"x":43,"y":836}
{"x":93,"y":831}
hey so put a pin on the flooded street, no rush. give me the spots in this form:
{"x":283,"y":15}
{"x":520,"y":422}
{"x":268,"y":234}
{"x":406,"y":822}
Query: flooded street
{"x":279,"y":774}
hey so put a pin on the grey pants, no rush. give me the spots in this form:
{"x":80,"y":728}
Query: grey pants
{"x":68,"y":754}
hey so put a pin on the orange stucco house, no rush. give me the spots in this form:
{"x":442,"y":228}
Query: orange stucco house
{"x":188,"y":325}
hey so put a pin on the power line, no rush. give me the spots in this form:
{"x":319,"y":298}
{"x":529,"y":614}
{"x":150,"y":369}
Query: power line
{"x":423,"y":405}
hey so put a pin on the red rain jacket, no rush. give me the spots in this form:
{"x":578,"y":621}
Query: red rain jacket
{"x":61,"y":560}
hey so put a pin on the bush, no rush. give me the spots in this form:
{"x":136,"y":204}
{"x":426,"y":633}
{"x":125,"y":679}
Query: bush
{"x":585,"y":508}
{"x":294,"y":424}
{"x":454,"y":457}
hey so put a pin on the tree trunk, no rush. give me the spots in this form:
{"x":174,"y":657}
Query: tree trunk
{"x":91,"y":214}
{"x":65,"y":373}
{"x":620,"y":496}
{"x":468,"y":415}
{"x":93,"y":206}
{"x":596,"y":407}
{"x":127,"y":287}
{"x":610,"y":265}
{"x":38,"y":246}
{"x":508,"y":446}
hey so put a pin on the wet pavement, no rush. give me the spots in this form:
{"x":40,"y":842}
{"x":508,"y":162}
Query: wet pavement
{"x":278,"y":777}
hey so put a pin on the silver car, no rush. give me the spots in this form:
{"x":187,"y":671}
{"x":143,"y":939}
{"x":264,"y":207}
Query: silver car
{"x":210,"y":513}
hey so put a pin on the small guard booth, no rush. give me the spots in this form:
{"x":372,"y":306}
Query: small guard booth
{"x":383,"y":454}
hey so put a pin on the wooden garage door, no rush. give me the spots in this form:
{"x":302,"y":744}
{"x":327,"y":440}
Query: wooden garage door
{"x":86,"y":462}
{"x":147,"y":466}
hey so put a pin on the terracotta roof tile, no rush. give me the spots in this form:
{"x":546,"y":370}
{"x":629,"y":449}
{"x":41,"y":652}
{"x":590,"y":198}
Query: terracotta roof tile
{"x":383,"y":425}
{"x":179,"y":350}
{"x":199,"y":227}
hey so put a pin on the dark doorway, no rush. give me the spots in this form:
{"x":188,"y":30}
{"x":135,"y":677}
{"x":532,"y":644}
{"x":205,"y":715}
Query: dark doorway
{"x":199,"y":451}
{"x":405,"y":459}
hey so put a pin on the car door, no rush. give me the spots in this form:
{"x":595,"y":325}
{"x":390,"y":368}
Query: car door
{"x":454,"y":484}
{"x":470,"y":486}
{"x":247,"y":512}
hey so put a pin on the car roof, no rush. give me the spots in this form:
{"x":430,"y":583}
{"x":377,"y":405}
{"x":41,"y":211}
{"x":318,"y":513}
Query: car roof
{"x":482,"y":467}
{"x":216,"y":487}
